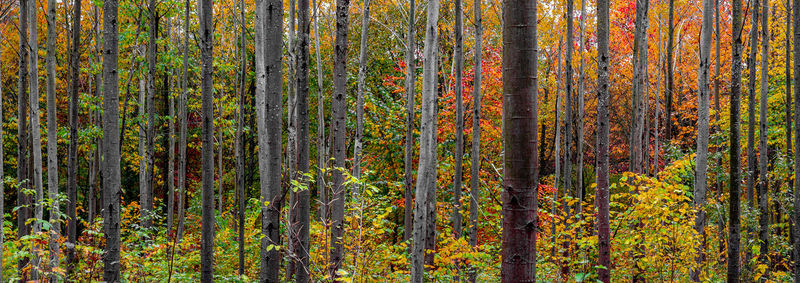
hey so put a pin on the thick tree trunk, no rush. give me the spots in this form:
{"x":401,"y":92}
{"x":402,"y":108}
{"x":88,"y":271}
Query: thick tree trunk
{"x":182,"y":121}
{"x":36,"y":135}
{"x":734,"y":182}
{"x":639,"y":86}
{"x":459,"y":154}
{"x":303,"y":144}
{"x":111,"y":153}
{"x":520,"y":170}
{"x":701,"y":159}
{"x":602,"y":191}
{"x":339,"y":110}
{"x":763,"y":193}
{"x":207,"y":134}
{"x":269,"y":24}
{"x":52,"y":129}
{"x":411,"y":79}
{"x":475,"y":191}
{"x":425,"y":204}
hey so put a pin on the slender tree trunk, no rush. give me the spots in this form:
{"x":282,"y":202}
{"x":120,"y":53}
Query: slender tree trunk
{"x":2,"y":172}
{"x":182,"y":120}
{"x":656,"y":117}
{"x":303,"y":196}
{"x":639,"y":86}
{"x":23,"y":200}
{"x":763,"y":194}
{"x":557,"y":178}
{"x":425,"y":204}
{"x":95,"y":160}
{"x":796,"y":81}
{"x":520,"y":170}
{"x":269,"y":108}
{"x":602,"y":191}
{"x":291,"y":143}
{"x":459,"y":154}
{"x":580,"y":120}
{"x":221,"y":151}
{"x":36,"y":135}
{"x":670,"y":71}
{"x":752,"y":160}
{"x":171,"y":163}
{"x":147,"y":204}
{"x":339,"y":143}
{"x":475,"y":191}
{"x":411,"y":79}
{"x":362,"y":73}
{"x":718,"y":183}
{"x":322,"y":148}
{"x":788,"y":72}
{"x":701,"y":159}
{"x":241,"y":192}
{"x":52,"y":130}
{"x":568,"y":114}
{"x":111,"y":153}
{"x":72,"y":163}
{"x":207,"y":95}
{"x":736,"y":77}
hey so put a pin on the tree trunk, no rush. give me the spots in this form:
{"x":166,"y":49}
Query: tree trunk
{"x":763,"y":194}
{"x":670,"y":71}
{"x":147,"y":205}
{"x":520,"y":170}
{"x":52,"y":130}
{"x":788,"y":72}
{"x":602,"y":191}
{"x":568,"y":115}
{"x":718,"y":183}
{"x":303,"y":196}
{"x":752,"y":160}
{"x":207,"y":95}
{"x":2,"y":172}
{"x":459,"y":154}
{"x":362,"y":73}
{"x":72,"y":163}
{"x":339,"y":110}
{"x":411,"y":79}
{"x":111,"y":153}
{"x":580,"y":119}
{"x":269,"y":24}
{"x":36,"y":135}
{"x":291,"y":143}
{"x":322,"y":148}
{"x":182,"y":120}
{"x":736,"y":78}
{"x":475,"y":191}
{"x":241,"y":192}
{"x":425,"y":204}
{"x":171,"y":163}
{"x":701,"y":160}
{"x":557,"y":178}
{"x":639,"y":86}
{"x":221,"y":147}
{"x":796,"y":81}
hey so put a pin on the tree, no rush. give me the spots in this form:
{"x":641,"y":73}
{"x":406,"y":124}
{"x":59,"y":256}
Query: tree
{"x":52,"y":130}
{"x":788,"y":72}
{"x":411,"y":79}
{"x":763,"y":188}
{"x":2,"y":172}
{"x":182,"y":121}
{"x":171,"y":155}
{"x":322,"y":147}
{"x":752,"y":160}
{"x":568,"y":111}
{"x":520,"y":174}
{"x":701,"y":159}
{"x":459,"y":154}
{"x":602,"y":191}
{"x":362,"y":73}
{"x":269,"y":24}
{"x":639,"y":87}
{"x":241,"y":193}
{"x":581,"y":106}
{"x":111,"y":152}
{"x":796,"y":90}
{"x":147,"y":194}
{"x":475,"y":191}
{"x":23,"y":200}
{"x":736,"y":77}
{"x":339,"y":112}
{"x":207,"y":96}
{"x":303,"y":145}
{"x":670,"y":70}
{"x":36,"y":135}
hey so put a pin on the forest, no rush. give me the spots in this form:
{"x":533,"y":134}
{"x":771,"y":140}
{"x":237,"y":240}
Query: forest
{"x":399,"y":141}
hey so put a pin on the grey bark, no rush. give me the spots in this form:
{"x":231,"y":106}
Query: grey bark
{"x":303,"y":144}
{"x":240,"y":147}
{"x":52,"y":130}
{"x":322,"y":146}
{"x":568,"y":107}
{"x":459,"y":154}
{"x":520,"y":119}
{"x":580,"y":119}
{"x":36,"y":135}
{"x":362,"y":73}
{"x":602,"y":191}
{"x":221,"y":147}
{"x":23,"y":200}
{"x":182,"y":121}
{"x":147,"y":195}
{"x":411,"y":79}
{"x":734,"y":182}
{"x":557,"y":178}
{"x":425,"y":204}
{"x":269,"y":24}
{"x":788,"y":72}
{"x":752,"y":160}
{"x":2,"y":172}
{"x":339,"y":110}
{"x":171,"y":164}
{"x":111,"y":153}
{"x":670,"y":71}
{"x":701,"y":159}
{"x":639,"y":86}
{"x":763,"y":186}
{"x":207,"y":135}
{"x":475,"y":191}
